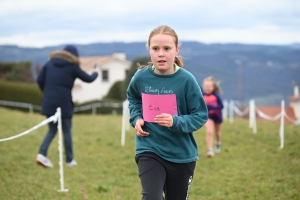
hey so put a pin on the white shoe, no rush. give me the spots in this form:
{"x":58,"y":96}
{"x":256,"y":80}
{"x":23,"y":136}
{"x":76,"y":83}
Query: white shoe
{"x":44,"y":161}
{"x":210,"y":153}
{"x":73,"y":163}
{"x":218,"y":148}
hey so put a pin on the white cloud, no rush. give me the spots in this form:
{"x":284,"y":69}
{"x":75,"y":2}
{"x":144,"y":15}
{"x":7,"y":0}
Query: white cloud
{"x":256,"y":35}
{"x":57,"y":37}
{"x":40,"y":23}
{"x":262,"y":34}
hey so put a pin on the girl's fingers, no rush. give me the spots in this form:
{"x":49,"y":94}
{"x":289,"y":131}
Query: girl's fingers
{"x":142,"y":134}
{"x":139,"y":131}
{"x":164,"y":123}
{"x":138,"y":127}
{"x":164,"y":120}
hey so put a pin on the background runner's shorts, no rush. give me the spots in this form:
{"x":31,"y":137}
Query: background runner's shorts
{"x":217,"y":118}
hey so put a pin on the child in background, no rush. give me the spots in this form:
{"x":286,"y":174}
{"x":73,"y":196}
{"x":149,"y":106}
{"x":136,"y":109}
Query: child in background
{"x":214,"y":104}
{"x":166,"y":150}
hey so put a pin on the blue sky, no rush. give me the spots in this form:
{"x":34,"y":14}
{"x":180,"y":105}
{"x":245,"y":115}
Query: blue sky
{"x":36,"y":23}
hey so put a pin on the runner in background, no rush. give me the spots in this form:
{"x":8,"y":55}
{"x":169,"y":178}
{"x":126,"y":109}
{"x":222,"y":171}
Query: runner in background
{"x":211,"y":94}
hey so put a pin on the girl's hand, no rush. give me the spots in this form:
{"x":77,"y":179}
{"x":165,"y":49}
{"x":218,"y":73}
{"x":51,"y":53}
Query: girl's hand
{"x":138,"y":127}
{"x":164,"y":119}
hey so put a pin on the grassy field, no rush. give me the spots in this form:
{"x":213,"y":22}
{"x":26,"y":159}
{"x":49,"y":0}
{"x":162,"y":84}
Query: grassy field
{"x":249,"y":167}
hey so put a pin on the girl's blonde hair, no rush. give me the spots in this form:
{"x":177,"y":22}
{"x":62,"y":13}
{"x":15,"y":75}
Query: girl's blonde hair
{"x":216,"y":84}
{"x":165,"y":30}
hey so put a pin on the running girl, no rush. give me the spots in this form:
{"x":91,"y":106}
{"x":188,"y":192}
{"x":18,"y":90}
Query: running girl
{"x":214,"y":104}
{"x":166,"y":150}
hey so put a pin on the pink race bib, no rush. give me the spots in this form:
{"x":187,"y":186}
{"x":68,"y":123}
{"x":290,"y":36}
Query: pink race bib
{"x":154,"y":104}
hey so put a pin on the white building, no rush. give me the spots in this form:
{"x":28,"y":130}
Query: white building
{"x":111,"y":69}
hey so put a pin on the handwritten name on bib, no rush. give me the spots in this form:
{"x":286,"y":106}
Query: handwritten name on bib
{"x":154,"y":104}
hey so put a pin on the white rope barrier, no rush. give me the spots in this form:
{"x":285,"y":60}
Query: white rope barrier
{"x":225,"y":109}
{"x":281,"y":129}
{"x":46,"y":121}
{"x":253,"y":110}
{"x":252,"y":116}
{"x":55,"y":118}
{"x":125,"y":121}
{"x":231,"y":111}
{"x":60,"y":150}
{"x":267,"y":117}
{"x":240,"y":113}
{"x":290,"y":119}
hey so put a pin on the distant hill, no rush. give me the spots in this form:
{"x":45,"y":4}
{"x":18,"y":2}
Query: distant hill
{"x":268,"y":71}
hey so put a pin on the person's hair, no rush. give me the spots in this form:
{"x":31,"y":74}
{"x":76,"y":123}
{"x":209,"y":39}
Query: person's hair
{"x":165,"y":30}
{"x":216,"y":84}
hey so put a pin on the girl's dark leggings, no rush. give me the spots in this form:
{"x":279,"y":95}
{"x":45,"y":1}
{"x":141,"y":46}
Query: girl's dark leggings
{"x":158,"y":175}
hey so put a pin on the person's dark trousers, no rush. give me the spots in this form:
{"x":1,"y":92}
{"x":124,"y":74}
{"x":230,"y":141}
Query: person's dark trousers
{"x":67,"y":134}
{"x":158,"y":175}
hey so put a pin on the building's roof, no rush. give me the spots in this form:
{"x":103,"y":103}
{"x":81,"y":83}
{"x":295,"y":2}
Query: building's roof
{"x":294,"y":98}
{"x":87,"y":63}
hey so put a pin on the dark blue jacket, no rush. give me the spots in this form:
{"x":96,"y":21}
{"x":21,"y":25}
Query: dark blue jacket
{"x":56,"y":81}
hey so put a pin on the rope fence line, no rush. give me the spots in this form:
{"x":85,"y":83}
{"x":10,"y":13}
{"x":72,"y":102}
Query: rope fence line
{"x":92,"y":107}
{"x":253,"y":110}
{"x":55,"y":118}
{"x":125,"y":121}
{"x":291,"y":120}
{"x":267,"y":117}
{"x":46,"y":121}
{"x":241,"y":113}
{"x":230,"y":109}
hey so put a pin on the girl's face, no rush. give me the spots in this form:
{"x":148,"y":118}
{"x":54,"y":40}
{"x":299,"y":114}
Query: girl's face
{"x":208,"y":87}
{"x":163,"y":50}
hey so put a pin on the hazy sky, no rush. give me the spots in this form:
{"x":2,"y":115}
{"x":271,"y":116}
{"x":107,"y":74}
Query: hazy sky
{"x":41,"y":23}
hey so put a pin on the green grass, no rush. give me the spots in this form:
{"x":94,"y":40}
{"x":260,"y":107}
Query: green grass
{"x":249,"y":167}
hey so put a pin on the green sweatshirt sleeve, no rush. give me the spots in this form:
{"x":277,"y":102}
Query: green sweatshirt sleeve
{"x":135,"y":102}
{"x":196,"y":117}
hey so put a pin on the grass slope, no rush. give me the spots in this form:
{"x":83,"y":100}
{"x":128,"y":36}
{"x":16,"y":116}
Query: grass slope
{"x":250,"y":166}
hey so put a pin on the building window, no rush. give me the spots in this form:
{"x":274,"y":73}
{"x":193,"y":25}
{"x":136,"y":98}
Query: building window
{"x":105,"y":75}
